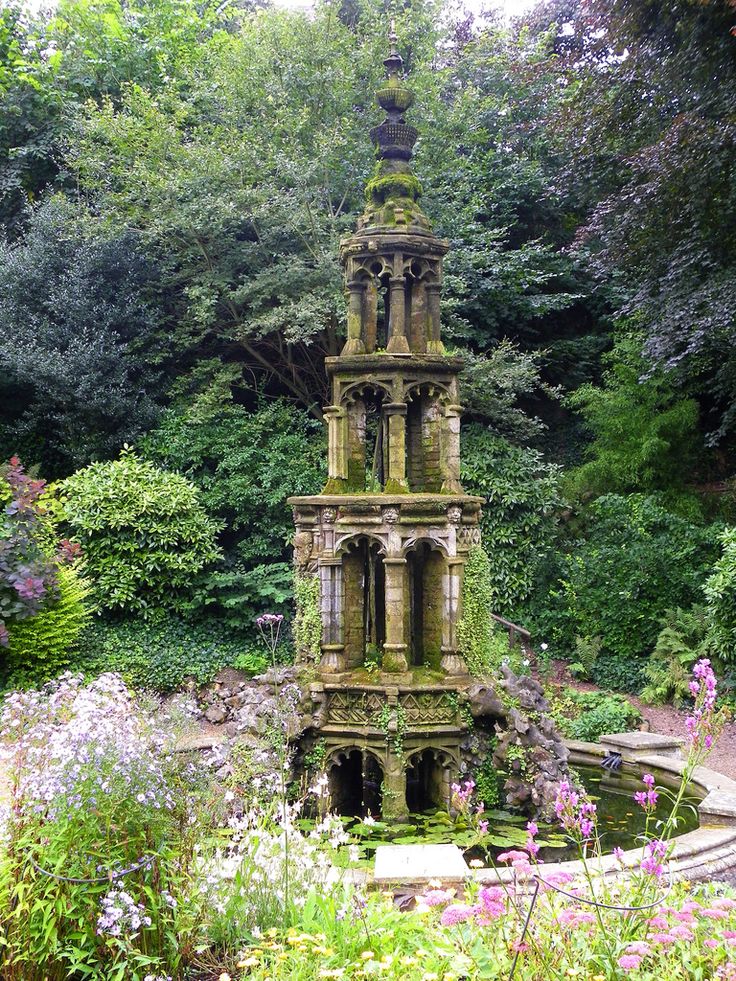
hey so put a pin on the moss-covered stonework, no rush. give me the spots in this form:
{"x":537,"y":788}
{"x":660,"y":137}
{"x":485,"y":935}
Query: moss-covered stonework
{"x":391,"y":534}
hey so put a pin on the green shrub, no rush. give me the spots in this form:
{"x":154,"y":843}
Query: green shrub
{"x":246,"y":463}
{"x":645,"y":434}
{"x":520,"y":516}
{"x":633,"y":561}
{"x":43,"y":645}
{"x":481,"y":644}
{"x":681,"y":642}
{"x":619,"y":674}
{"x":235,"y":595}
{"x":720,"y":593}
{"x":162,"y":656}
{"x":144,"y":532}
{"x":590,"y":715}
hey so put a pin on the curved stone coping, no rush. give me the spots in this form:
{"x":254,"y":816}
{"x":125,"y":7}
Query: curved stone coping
{"x":699,"y":854}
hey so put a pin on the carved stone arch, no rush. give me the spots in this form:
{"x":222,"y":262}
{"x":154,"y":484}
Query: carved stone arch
{"x":429,"y":776}
{"x":352,"y":540}
{"x":338,"y":754}
{"x":436,"y":544}
{"x":436,"y":390}
{"x":446,"y":756}
{"x":353,"y":392}
{"x":355,"y":774}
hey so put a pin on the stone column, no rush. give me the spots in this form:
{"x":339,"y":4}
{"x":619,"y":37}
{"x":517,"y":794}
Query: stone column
{"x":419,"y":322}
{"x":452,"y":661}
{"x":393,"y":805}
{"x":337,"y":462}
{"x":333,"y":646}
{"x":397,"y":342}
{"x":434,"y":342}
{"x":354,"y":343}
{"x":394,"y":650}
{"x":370,"y":315}
{"x":451,"y":450}
{"x":396,"y":476}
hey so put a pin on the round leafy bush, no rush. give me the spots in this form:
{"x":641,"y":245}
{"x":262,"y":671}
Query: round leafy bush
{"x":144,"y":532}
{"x":246,"y":463}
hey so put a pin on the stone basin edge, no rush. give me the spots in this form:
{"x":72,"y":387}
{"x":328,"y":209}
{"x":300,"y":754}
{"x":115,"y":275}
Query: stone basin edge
{"x":698,"y":855}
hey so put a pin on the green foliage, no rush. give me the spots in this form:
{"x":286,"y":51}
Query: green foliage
{"x":488,"y":782}
{"x":236,"y":595}
{"x":681,"y":642}
{"x":645,"y":432}
{"x":636,"y":560}
{"x":144,"y":532}
{"x":163,"y":655}
{"x":77,"y":349}
{"x":590,"y":715}
{"x":720,"y":593}
{"x":308,"y":619}
{"x":619,"y":674}
{"x":585,"y":656}
{"x":41,"y":646}
{"x":246,"y":463}
{"x":481,"y":644}
{"x":522,"y":497}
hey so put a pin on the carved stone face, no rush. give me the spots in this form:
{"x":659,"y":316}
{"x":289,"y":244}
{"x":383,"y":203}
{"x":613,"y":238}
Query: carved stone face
{"x":390,"y":515}
{"x":454,"y":514}
{"x":302,"y":548}
{"x":329,"y":515}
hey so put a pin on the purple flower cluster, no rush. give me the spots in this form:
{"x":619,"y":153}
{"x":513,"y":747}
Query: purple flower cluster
{"x":461,"y":794}
{"x":575,"y":812}
{"x":647,"y":798}
{"x":75,"y":746}
{"x":121,"y":916}
{"x":702,"y":725}
{"x":654,"y":853}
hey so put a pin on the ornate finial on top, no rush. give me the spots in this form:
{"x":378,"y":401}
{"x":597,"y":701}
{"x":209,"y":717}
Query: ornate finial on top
{"x":393,"y":138}
{"x":393,"y":191}
{"x":394,"y":62}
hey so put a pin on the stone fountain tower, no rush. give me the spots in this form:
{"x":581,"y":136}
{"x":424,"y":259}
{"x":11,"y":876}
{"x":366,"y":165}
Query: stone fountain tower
{"x":388,"y":537}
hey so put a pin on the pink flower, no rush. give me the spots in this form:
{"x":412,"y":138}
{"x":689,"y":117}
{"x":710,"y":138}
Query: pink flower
{"x":662,"y":938}
{"x":437,"y":897}
{"x":681,"y":932}
{"x":714,"y":914}
{"x":711,"y":944}
{"x":532,"y":828}
{"x":458,"y":913}
{"x":513,"y":856}
{"x":629,"y":962}
{"x":723,"y":902}
{"x":658,"y":922}
{"x":639,"y":948}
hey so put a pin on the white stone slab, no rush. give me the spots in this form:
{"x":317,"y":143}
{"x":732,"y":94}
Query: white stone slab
{"x":419,"y":863}
{"x":634,"y":745}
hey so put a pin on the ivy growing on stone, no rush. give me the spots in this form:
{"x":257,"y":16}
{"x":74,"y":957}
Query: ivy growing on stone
{"x":308,"y":619}
{"x":482,"y":646}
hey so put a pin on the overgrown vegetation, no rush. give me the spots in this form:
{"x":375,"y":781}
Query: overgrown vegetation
{"x":172,"y":197}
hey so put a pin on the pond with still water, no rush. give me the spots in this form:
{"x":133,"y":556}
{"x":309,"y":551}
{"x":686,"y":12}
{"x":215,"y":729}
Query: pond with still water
{"x":620,"y":821}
